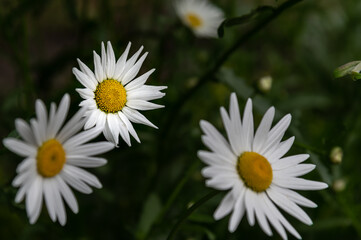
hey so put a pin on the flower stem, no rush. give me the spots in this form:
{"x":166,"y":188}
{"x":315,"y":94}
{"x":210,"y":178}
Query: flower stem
{"x":190,"y":211}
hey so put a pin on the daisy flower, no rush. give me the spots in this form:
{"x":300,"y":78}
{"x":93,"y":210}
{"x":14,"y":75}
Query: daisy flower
{"x":202,"y":17}
{"x":113,"y":96}
{"x":253,"y":167}
{"x":53,"y":160}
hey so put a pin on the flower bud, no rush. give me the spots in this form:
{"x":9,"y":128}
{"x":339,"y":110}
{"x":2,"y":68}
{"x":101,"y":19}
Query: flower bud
{"x":265,"y":84}
{"x":339,"y":185}
{"x":336,"y":155}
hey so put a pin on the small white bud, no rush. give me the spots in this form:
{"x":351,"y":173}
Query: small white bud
{"x":265,"y":84}
{"x":336,"y":155}
{"x":339,"y":185}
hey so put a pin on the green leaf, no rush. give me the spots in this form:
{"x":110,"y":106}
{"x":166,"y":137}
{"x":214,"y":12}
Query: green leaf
{"x":349,"y":70}
{"x":151,"y":209}
{"x":253,"y":15}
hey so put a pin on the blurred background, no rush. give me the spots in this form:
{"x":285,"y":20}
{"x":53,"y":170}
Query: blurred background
{"x":147,"y":187}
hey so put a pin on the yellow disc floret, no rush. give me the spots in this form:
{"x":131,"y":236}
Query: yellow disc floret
{"x":110,"y":96}
{"x":50,"y":158}
{"x":255,"y":171}
{"x":193,"y":20}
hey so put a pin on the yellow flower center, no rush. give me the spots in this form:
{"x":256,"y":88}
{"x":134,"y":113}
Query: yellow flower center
{"x":255,"y":171}
{"x":110,"y":96}
{"x":193,"y":20}
{"x":50,"y":158}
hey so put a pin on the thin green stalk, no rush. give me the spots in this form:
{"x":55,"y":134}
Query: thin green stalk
{"x":190,"y":211}
{"x":178,"y":188}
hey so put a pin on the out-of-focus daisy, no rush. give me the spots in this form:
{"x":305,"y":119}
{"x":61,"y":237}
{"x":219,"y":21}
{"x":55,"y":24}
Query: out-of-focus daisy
{"x":252,"y":166}
{"x":201,"y":16}
{"x":53,"y":160}
{"x":113,"y":96}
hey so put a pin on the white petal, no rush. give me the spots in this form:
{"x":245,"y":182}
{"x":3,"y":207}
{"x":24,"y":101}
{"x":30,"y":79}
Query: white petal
{"x":221,"y":183}
{"x":59,"y":205}
{"x":298,"y":183}
{"x":67,"y":194}
{"x":295,"y":171}
{"x":33,"y":196}
{"x":226,"y":153}
{"x":250,"y":205}
{"x":236,"y":123}
{"x":133,"y":71}
{"x":83,"y":175}
{"x":85,"y":93}
{"x":130,"y":63}
{"x":81,"y":138}
{"x":144,"y":94}
{"x":92,"y":119}
{"x":216,"y":140}
{"x":271,"y":213}
{"x":110,"y":61}
{"x":90,"y":149}
{"x":225,"y":207}
{"x":281,"y":150}
{"x":260,"y":215}
{"x":99,"y":71}
{"x":120,"y":65}
{"x":49,"y":198}
{"x":142,"y":105}
{"x":115,"y":127}
{"x":289,"y":161}
{"x":75,"y":182}
{"x":139,"y":81}
{"x":136,"y":117}
{"x":84,"y":79}
{"x":295,"y":197}
{"x":19,"y":147}
{"x":22,"y":191}
{"x":263,"y":129}
{"x":103,"y":58}
{"x":25,"y":131}
{"x":289,"y":206}
{"x":247,"y":127}
{"x":25,"y":165}
{"x":238,"y":212}
{"x":24,"y":177}
{"x":275,"y":135}
{"x":42,"y":117}
{"x":129,"y":126}
{"x":72,"y":126}
{"x":86,"y":70}
{"x":60,"y":115}
{"x":36,"y":130}
{"x":82,"y":161}
{"x":234,"y":140}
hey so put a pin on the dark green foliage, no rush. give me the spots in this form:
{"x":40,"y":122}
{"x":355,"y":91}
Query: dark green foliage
{"x":148,"y":187}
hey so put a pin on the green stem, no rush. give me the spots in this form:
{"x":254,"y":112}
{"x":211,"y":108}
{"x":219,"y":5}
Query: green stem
{"x":190,"y":211}
{"x":179,"y":187}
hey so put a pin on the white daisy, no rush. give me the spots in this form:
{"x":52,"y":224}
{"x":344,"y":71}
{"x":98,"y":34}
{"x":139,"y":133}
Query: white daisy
{"x":113,"y":96}
{"x":53,"y":157}
{"x":252,"y":166}
{"x":202,"y":17}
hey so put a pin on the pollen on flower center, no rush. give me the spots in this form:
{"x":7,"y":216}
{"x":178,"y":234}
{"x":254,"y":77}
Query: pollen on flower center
{"x":110,"y":96}
{"x":50,"y":158}
{"x":255,"y":170}
{"x":194,"y":20}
